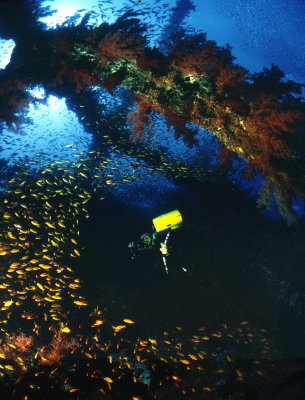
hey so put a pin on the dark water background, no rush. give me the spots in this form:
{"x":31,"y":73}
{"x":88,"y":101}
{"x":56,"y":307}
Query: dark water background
{"x":241,"y":266}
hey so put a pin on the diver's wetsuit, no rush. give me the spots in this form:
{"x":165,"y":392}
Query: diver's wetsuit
{"x":146,"y":251}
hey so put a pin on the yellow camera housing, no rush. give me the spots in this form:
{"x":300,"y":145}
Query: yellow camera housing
{"x":170,"y":220}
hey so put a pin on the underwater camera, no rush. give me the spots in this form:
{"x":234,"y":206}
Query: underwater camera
{"x":170,"y":220}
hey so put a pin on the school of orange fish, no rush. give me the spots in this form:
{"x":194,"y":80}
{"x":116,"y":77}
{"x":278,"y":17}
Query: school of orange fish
{"x":48,"y":329}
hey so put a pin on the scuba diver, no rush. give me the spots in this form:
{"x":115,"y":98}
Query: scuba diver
{"x":163,"y":226}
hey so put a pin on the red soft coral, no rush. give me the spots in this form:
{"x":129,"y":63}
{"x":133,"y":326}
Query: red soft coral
{"x":139,"y":118}
{"x":119,"y":45}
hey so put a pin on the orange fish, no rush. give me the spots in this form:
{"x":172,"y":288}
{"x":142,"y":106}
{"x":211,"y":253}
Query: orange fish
{"x":128,"y":321}
{"x":118,"y":328}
